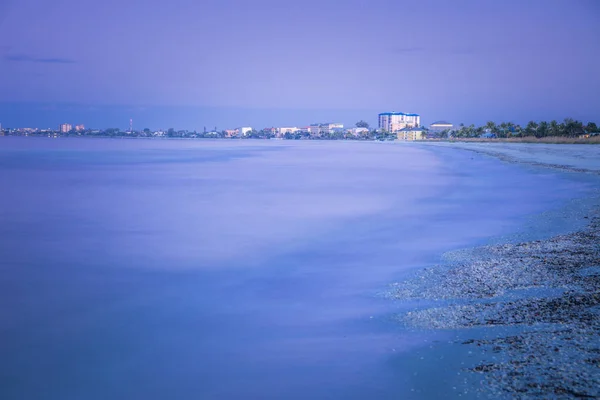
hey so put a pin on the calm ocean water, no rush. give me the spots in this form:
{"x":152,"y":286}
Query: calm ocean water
{"x":155,"y":269}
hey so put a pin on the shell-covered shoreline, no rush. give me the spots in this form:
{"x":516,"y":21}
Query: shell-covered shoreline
{"x":548,"y":289}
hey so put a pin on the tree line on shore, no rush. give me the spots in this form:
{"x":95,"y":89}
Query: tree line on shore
{"x":568,"y":128}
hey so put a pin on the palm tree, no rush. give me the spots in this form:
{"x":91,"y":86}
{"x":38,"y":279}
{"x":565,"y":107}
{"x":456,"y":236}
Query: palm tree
{"x":503,"y":128}
{"x":511,"y":128}
{"x":531,"y":128}
{"x":471,"y":131}
{"x":554,"y":128}
{"x":491,"y":125}
{"x":542,"y":129}
{"x":572,"y":128}
{"x":518,"y":130}
{"x":568,"y":126}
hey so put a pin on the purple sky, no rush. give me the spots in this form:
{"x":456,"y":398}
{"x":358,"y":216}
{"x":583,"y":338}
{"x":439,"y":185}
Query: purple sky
{"x":464,"y":61}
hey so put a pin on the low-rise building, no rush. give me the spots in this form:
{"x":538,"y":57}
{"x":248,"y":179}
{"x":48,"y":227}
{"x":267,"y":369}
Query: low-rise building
{"x":325,"y":128}
{"x":244,"y":130}
{"x":334,"y":127}
{"x":270,"y":131}
{"x":440,"y":126}
{"x":231,"y":133}
{"x":314,"y":129}
{"x":283,"y":131}
{"x":80,"y":128}
{"x":358,"y":131}
{"x":411,"y":134}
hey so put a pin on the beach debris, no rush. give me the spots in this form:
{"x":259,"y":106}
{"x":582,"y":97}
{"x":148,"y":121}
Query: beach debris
{"x":548,"y":290}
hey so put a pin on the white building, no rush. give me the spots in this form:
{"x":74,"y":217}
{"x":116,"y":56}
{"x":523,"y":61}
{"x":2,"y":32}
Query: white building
{"x":331,"y":127}
{"x":283,"y":131}
{"x":395,"y":121}
{"x":326,"y":128}
{"x":65,"y":128}
{"x":358,"y":131}
{"x":244,"y":130}
{"x":441,"y":126}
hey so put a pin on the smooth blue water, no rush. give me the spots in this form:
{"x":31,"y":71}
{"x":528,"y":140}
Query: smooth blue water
{"x":149,"y":269}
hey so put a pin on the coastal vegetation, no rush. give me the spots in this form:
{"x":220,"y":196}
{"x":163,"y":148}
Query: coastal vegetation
{"x":592,"y":139}
{"x":569,"y":128}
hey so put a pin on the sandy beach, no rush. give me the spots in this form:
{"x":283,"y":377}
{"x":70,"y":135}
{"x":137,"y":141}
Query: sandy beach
{"x":537,"y":300}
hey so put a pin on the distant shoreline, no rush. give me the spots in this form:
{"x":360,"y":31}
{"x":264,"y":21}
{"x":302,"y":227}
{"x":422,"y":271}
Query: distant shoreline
{"x":527,"y":139}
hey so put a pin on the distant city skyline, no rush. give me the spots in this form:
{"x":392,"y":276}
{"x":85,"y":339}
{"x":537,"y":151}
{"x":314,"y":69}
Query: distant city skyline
{"x":36,"y":115}
{"x":192,"y":63}
{"x":192,"y":118}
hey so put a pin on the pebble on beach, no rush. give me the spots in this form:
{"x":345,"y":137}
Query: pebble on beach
{"x":550,"y":288}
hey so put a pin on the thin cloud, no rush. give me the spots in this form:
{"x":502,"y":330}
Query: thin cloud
{"x":38,"y":60}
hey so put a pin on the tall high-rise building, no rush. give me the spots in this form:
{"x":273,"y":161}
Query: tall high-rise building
{"x":65,"y":128}
{"x":395,"y":121}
